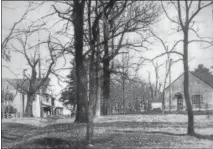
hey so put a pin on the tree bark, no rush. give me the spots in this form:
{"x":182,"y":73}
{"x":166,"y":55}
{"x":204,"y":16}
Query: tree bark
{"x":190,"y":129}
{"x":123,"y":89}
{"x":106,"y":86}
{"x":78,"y":20}
{"x":81,"y":79}
{"x":29,"y":107}
{"x":97,"y":110}
{"x":106,"y":72}
{"x":98,"y":97}
{"x":92,"y":96}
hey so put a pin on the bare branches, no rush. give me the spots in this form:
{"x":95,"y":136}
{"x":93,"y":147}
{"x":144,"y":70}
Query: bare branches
{"x":14,"y":32}
{"x":167,"y":50}
{"x":10,"y":71}
{"x":199,"y":8}
{"x":50,"y":65}
{"x":167,"y":14}
{"x":180,"y":15}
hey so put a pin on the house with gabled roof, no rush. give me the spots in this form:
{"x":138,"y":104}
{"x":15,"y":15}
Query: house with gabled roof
{"x":43,"y":103}
{"x":200,"y":91}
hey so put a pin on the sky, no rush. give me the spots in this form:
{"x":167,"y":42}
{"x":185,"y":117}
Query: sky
{"x":197,"y":54}
{"x":13,"y":10}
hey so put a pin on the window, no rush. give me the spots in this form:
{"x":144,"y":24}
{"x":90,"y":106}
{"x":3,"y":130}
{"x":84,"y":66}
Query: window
{"x":197,"y":100}
{"x":47,"y":98}
{"x":180,"y":103}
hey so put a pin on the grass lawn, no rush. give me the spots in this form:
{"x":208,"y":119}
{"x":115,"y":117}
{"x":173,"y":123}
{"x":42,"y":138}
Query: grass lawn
{"x":117,"y":131}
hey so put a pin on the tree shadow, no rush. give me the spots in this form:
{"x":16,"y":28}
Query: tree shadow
{"x":134,"y":124}
{"x":101,"y":140}
{"x":153,"y":124}
{"x":199,"y":136}
{"x":9,"y":125}
{"x":51,"y":143}
{"x":164,"y":133}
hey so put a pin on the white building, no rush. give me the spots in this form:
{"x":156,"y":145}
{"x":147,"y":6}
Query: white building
{"x":43,"y":103}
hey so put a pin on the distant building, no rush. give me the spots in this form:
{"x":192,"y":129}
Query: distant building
{"x":61,"y":109}
{"x":43,"y":103}
{"x":200,"y":91}
{"x":157,"y":103}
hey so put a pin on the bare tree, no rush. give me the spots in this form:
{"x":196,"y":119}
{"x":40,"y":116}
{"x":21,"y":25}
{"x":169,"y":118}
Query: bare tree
{"x":14,"y":31}
{"x":157,"y":83}
{"x":117,"y":24}
{"x":186,"y":15}
{"x":169,"y":64}
{"x":75,"y":15}
{"x":32,"y":57}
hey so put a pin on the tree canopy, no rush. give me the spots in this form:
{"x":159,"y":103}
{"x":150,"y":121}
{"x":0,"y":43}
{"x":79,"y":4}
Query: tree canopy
{"x":202,"y":69}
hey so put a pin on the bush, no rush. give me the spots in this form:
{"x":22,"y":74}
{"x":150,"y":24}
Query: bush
{"x":10,"y":109}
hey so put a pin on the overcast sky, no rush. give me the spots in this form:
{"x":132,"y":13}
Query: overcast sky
{"x":13,"y":10}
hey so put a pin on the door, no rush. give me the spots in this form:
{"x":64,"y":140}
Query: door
{"x":179,"y":103}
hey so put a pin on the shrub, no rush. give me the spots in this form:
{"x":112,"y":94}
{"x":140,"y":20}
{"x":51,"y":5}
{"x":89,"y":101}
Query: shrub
{"x":10,"y":109}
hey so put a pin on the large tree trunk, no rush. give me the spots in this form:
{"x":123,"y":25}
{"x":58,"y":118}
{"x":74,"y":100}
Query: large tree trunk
{"x":106,"y":86}
{"x":29,"y":107}
{"x":190,"y":130}
{"x":92,"y":96}
{"x":97,"y":110}
{"x":123,"y":89}
{"x":81,"y":79}
{"x":106,"y":71}
{"x":81,"y":115}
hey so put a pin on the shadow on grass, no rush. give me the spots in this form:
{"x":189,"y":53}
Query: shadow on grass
{"x":153,"y":124}
{"x":102,"y":140}
{"x":150,"y":132}
{"x":139,"y":124}
{"x":199,"y":136}
{"x":12,"y":132}
{"x":50,"y":143}
{"x":8,"y":125}
{"x":164,"y":133}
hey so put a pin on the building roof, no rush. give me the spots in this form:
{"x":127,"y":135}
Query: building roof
{"x":207,"y":78}
{"x":23,"y":84}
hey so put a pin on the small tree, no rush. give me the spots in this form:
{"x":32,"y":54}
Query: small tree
{"x":185,"y":22}
{"x":68,"y":96}
{"x":14,"y":31}
{"x":202,"y":69}
{"x":32,"y":56}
